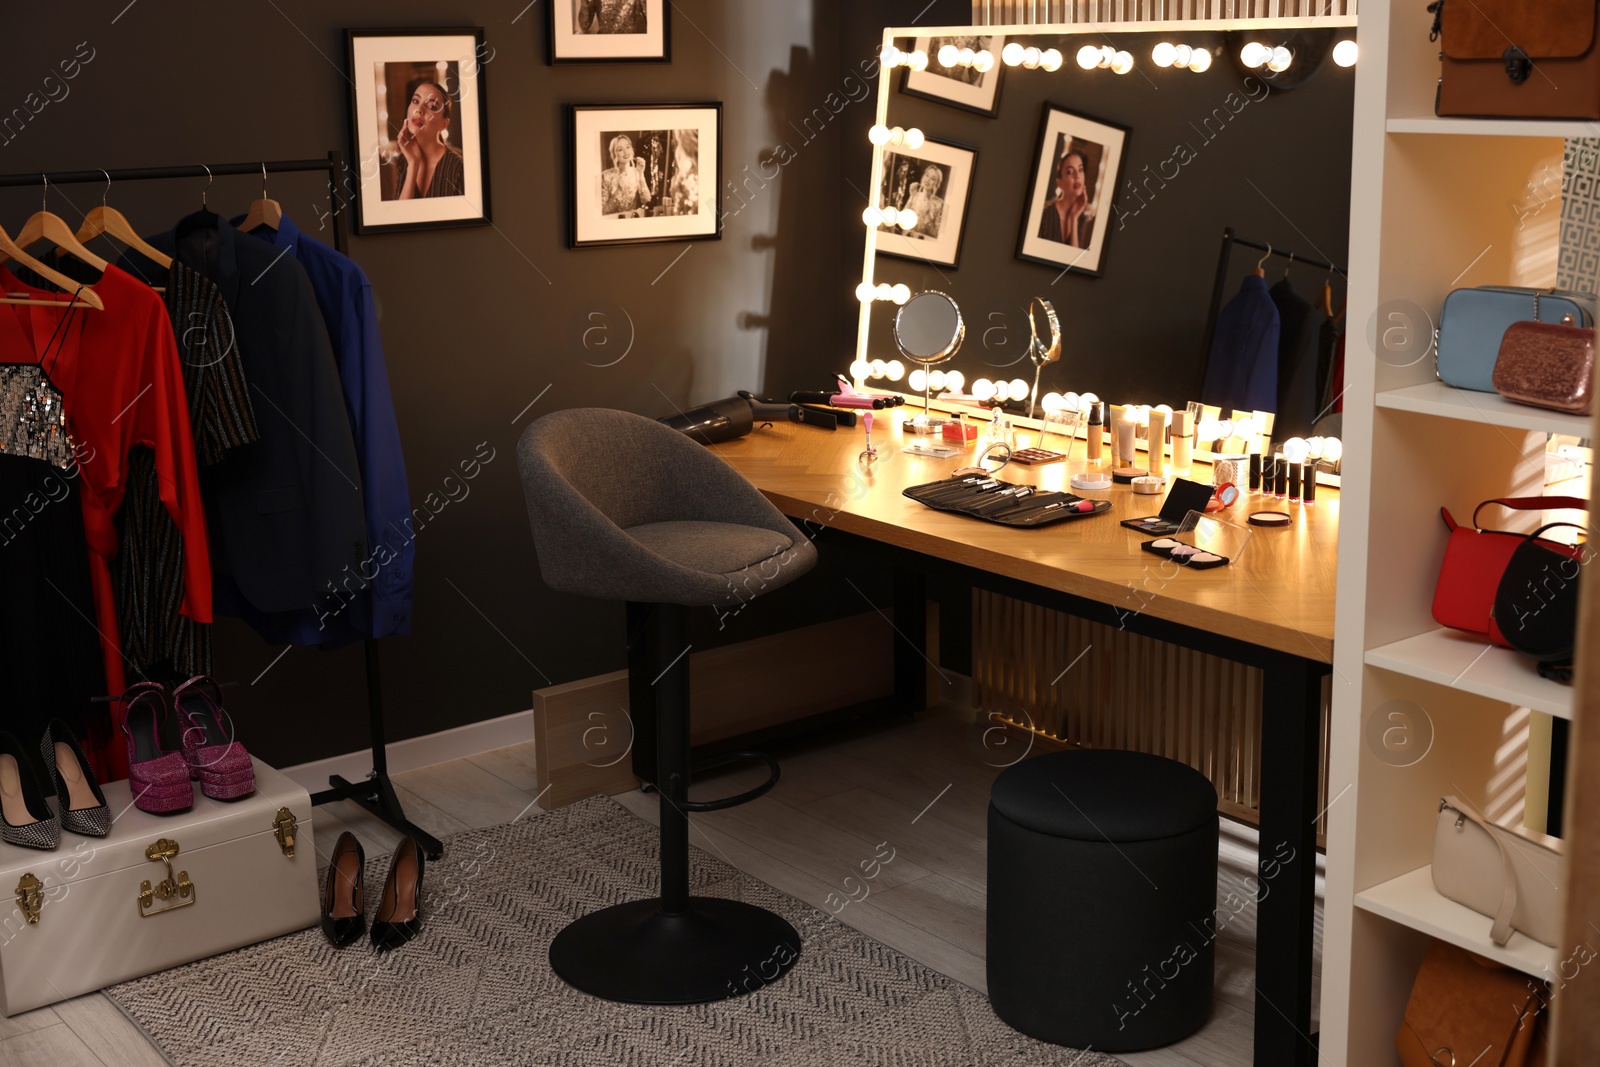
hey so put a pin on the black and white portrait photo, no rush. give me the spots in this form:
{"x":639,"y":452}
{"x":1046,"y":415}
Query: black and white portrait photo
{"x":420,"y":129}
{"x":934,"y":183}
{"x":649,"y":173}
{"x":958,"y":86}
{"x":588,"y":31}
{"x":645,"y":173}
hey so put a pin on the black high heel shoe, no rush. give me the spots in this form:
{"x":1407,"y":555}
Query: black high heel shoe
{"x":344,"y":898}
{"x":83,"y":806}
{"x":25,"y":818}
{"x":399,"y":917}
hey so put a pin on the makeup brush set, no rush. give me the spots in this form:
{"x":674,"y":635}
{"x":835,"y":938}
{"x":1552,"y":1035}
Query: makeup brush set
{"x":992,"y":500}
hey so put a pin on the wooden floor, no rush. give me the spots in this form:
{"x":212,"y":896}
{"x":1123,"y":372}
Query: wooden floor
{"x":919,"y":789}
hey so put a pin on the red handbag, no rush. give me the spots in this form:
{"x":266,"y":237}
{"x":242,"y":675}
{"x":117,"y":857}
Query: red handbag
{"x":1475,"y":560}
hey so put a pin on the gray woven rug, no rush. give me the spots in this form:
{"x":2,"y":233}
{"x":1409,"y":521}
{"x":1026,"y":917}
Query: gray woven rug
{"x":476,"y":988}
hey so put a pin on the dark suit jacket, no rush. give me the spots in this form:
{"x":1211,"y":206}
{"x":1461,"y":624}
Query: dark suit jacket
{"x":287,"y":522}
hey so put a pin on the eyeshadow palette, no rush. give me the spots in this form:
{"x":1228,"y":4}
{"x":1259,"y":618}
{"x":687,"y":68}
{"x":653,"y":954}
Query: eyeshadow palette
{"x":1036,"y":455}
{"x":1186,"y":555}
{"x":1184,"y":497}
{"x":992,"y":500}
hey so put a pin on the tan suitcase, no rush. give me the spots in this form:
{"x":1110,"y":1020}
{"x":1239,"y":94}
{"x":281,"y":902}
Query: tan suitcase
{"x":160,"y":891}
{"x":1530,"y":59}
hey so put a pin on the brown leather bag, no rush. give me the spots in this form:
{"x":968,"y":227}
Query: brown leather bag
{"x":1465,"y":1009}
{"x":1534,"y":59}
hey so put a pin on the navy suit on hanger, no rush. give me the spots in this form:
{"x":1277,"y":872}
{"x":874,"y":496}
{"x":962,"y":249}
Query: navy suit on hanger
{"x":1243,"y":369}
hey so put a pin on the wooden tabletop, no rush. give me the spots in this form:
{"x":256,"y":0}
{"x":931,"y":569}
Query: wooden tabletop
{"x":1279,"y":593}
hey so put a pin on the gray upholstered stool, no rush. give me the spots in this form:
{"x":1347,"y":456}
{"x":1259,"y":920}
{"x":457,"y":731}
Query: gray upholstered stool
{"x":1102,"y":898}
{"x":624,"y":508}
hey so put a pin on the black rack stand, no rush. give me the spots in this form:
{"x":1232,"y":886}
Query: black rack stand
{"x":1229,"y":239}
{"x":375,"y":793}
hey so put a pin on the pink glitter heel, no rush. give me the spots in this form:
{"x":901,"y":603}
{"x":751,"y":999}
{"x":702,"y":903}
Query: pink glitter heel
{"x":157,"y":777}
{"x":216,"y":760}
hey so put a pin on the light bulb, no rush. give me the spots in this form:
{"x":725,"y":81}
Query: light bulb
{"x":1254,"y":54}
{"x":1163,"y":54}
{"x":1030,"y":57}
{"x":1200,"y":62}
{"x":965,"y":57}
{"x":1315,"y":444}
{"x":1295,"y":450}
{"x":877,"y":368}
{"x":895,"y":371}
{"x":872,"y":217}
{"x":1181,"y":55}
{"x":860,"y":369}
{"x":1019,"y":389}
{"x":1002,"y":391}
{"x":1141,"y":413}
{"x":907,"y":219}
{"x":888,"y":215}
{"x":1050,"y":59}
{"x":897,"y":135}
{"x":1122,"y":63}
{"x":1245,"y":428}
{"x":891,"y":56}
{"x":1332,"y":450}
{"x":1088,"y":56}
{"x":983,"y":389}
{"x":1108,"y":56}
{"x":917,"y":60}
{"x":866,"y":292}
{"x":1225,"y":429}
{"x":983,"y":61}
{"x":885,"y":291}
{"x":949,"y":56}
{"x":1165,"y":410}
{"x":1345,"y":53}
{"x":1281,"y":58}
{"x":1071,"y":402}
{"x":954,"y":380}
{"x":901,"y":293}
{"x":1052,"y":402}
{"x":913,"y":138}
{"x":918,"y":380}
{"x":879,"y":135}
{"x":936,"y":380}
{"x":1086,"y":400}
{"x":1208,"y":431}
{"x":1011,"y":54}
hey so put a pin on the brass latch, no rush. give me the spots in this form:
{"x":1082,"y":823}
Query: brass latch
{"x":169,"y":887}
{"x":284,"y":827}
{"x":30,"y":897}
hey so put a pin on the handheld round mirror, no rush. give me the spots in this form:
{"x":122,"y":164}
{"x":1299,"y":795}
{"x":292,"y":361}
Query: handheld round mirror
{"x":928,"y":329}
{"x":1044,"y":342}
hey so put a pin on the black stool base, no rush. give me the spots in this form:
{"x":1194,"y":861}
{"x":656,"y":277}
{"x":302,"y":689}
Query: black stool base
{"x":635,"y":954}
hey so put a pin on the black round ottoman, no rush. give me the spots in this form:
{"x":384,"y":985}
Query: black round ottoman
{"x":1102,"y":893}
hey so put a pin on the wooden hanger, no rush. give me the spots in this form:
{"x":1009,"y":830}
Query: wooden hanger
{"x":111,"y":222}
{"x":264,"y":212}
{"x":1261,"y":263}
{"x":82,"y":295}
{"x":45,"y":226}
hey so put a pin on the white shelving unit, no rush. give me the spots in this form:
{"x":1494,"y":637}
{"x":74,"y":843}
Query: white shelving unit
{"x":1429,"y":213}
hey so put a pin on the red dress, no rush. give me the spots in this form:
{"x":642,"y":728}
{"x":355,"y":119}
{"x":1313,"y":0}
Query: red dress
{"x":122,"y":385}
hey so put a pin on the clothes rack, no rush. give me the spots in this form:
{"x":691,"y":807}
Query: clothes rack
{"x":1219,"y":287}
{"x":376,"y":792}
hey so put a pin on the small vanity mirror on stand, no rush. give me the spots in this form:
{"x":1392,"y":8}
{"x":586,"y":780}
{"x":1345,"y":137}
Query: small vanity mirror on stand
{"x":928,"y":329}
{"x":1044,"y":343}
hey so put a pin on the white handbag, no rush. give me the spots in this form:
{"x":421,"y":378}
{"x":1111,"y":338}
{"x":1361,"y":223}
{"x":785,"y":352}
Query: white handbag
{"x":1515,"y":880}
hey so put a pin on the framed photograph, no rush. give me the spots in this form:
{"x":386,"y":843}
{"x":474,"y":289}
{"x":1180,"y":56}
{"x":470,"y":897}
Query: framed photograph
{"x":647,"y":172}
{"x":958,"y":86}
{"x":934,"y":182}
{"x":598,"y":31}
{"x":420,"y":122}
{"x":1077,"y":164}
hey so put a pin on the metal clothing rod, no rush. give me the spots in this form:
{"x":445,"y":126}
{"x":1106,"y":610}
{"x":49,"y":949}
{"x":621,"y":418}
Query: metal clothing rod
{"x":1229,"y":237}
{"x":188,"y":170}
{"x":375,"y":793}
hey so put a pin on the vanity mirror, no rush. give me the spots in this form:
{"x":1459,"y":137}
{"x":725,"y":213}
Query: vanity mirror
{"x":1044,"y":342}
{"x":928,"y":329}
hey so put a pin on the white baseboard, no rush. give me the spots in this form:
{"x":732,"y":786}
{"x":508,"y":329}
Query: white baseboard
{"x":412,"y":753}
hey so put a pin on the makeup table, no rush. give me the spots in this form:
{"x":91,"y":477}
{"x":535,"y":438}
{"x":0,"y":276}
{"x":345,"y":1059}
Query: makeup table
{"x":1272,"y":609}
